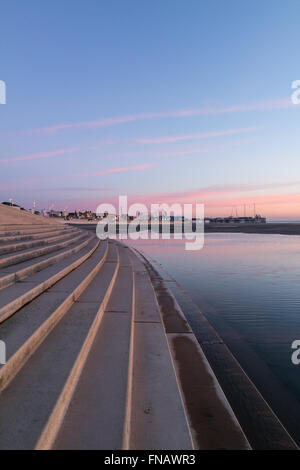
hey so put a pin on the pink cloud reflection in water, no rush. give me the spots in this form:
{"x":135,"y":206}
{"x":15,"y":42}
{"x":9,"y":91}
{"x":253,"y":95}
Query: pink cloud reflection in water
{"x":247,"y":286}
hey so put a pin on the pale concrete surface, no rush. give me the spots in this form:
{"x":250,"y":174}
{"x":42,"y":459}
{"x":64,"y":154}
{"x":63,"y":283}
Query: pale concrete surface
{"x":10,"y":215}
{"x":107,"y":367}
{"x":23,"y":245}
{"x":28,"y":400}
{"x":31,"y":235}
{"x":18,"y":360}
{"x":157,"y":418}
{"x":145,"y":310}
{"x":32,"y":262}
{"x":34,"y":290}
{"x":155,"y":398}
{"x":19,"y":230}
{"x":29,"y":254}
{"x":262,"y":425}
{"x":95,"y":418}
{"x":18,"y":328}
{"x":12,"y":274}
{"x":212,"y":421}
{"x":26,"y":247}
{"x":54,"y":423}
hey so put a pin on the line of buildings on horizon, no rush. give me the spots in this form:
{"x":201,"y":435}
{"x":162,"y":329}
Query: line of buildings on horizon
{"x":163,"y":217}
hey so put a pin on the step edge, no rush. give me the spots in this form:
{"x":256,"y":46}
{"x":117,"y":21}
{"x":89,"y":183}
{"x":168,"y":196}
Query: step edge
{"x":21,"y":356}
{"x":50,"y":432}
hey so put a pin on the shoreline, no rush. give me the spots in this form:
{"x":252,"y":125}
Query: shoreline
{"x":260,"y":423}
{"x":193,"y":362}
{"x":272,"y":228}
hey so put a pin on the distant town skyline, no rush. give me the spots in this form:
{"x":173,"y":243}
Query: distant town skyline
{"x":163,"y":101}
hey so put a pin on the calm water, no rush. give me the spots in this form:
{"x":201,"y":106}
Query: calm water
{"x":248,"y":286}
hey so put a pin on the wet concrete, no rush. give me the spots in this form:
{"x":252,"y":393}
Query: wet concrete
{"x":260,"y":424}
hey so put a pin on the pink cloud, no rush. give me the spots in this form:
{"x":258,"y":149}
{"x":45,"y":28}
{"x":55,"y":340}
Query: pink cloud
{"x":216,"y":194}
{"x":184,"y":152}
{"x":272,"y":200}
{"x":281,"y":205}
{"x":117,"y":170}
{"x":107,"y":122}
{"x":205,"y":135}
{"x":17,"y":185}
{"x":21,"y":184}
{"x":102,"y":144}
{"x":38,"y":155}
{"x":220,"y":201}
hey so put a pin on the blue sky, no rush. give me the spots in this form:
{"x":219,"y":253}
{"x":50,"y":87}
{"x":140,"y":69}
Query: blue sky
{"x":96,"y":92}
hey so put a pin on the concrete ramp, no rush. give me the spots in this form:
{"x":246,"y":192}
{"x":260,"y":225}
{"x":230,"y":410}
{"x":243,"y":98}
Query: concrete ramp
{"x":16,"y":217}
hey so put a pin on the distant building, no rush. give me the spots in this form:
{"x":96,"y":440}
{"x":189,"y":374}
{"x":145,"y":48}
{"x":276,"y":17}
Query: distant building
{"x":53,"y":213}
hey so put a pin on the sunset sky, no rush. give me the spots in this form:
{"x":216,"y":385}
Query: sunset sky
{"x":162,"y":100}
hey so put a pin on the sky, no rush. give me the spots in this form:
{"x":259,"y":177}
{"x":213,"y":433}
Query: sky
{"x":162,"y":100}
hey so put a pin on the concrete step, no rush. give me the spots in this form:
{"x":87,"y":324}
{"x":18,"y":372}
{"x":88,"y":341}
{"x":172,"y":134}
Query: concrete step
{"x":100,"y":356}
{"x":21,"y":271}
{"x":96,"y":414}
{"x":16,"y":296}
{"x":211,"y":422}
{"x":23,"y":230}
{"x":155,"y":417}
{"x":44,"y":385}
{"x":31,"y":236}
{"x":11,"y":247}
{"x":30,"y":254}
{"x":27,"y":328}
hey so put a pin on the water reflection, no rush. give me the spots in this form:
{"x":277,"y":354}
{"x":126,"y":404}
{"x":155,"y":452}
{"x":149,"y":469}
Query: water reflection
{"x":248,"y":288}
